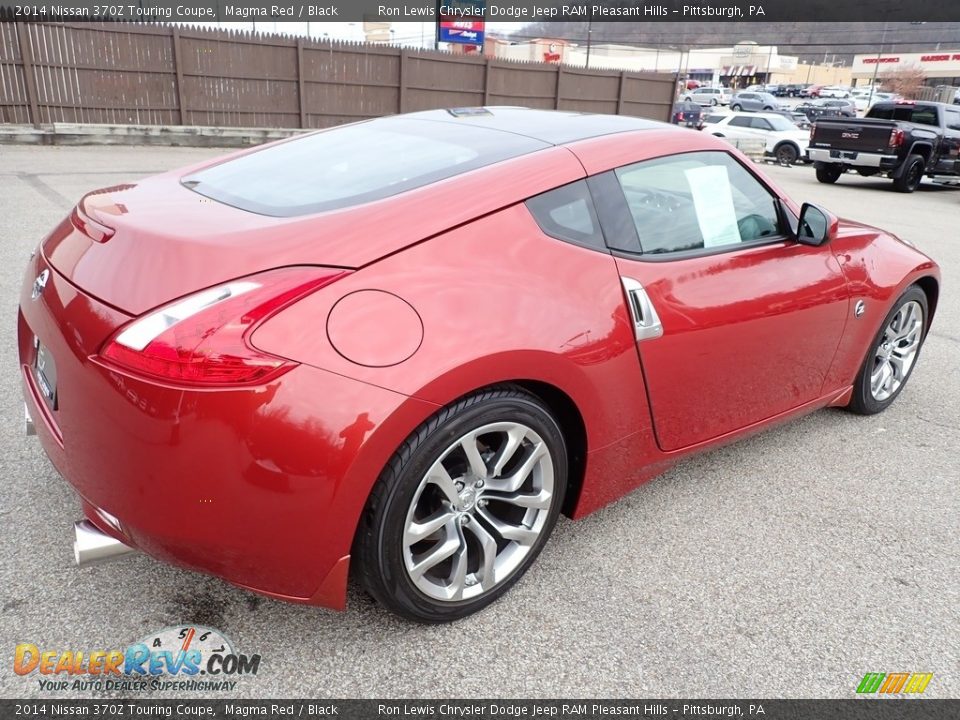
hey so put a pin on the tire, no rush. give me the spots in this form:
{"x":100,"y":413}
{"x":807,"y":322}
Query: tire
{"x":909,"y":179}
{"x":899,"y":340}
{"x":829,"y":173}
{"x":736,"y":108}
{"x":713,"y":102}
{"x":786,"y":153}
{"x":767,"y":108}
{"x":430,"y":476}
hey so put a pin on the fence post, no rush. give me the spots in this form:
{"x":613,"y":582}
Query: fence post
{"x":301,"y":95}
{"x":623,"y":82}
{"x":556,"y":104}
{"x":404,"y":69}
{"x":486,"y":82}
{"x":26,"y":57}
{"x":178,"y":69}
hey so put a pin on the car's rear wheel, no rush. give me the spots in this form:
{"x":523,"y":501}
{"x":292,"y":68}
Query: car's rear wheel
{"x":464,"y":507}
{"x":909,"y":179}
{"x":713,"y":102}
{"x":829,"y":173}
{"x":892,"y":355}
{"x":786,"y":153}
{"x":736,"y":107}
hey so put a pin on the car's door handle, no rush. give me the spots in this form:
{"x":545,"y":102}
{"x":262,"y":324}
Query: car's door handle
{"x":646,"y":322}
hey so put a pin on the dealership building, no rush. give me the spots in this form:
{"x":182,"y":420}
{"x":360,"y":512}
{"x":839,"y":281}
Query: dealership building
{"x":940,"y":67}
{"x":743,"y":64}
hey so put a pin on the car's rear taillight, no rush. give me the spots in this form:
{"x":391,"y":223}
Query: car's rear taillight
{"x":679,"y":116}
{"x":203,"y":339}
{"x":896,"y":138}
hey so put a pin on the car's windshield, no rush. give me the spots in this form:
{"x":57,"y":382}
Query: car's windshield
{"x":781,"y":123}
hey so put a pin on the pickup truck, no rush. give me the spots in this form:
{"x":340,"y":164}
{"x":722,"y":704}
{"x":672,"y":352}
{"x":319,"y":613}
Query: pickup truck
{"x":903,"y":140}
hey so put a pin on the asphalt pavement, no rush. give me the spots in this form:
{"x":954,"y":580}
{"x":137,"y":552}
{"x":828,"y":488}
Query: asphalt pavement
{"x":787,"y":565}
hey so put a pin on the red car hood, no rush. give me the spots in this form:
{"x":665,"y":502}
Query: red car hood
{"x":138,"y":246}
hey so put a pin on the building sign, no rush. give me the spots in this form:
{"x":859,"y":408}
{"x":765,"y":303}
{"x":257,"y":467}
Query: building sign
{"x":933,"y":64}
{"x":461,"y":21}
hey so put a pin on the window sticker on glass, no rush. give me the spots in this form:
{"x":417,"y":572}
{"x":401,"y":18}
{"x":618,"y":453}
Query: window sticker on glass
{"x":713,"y":202}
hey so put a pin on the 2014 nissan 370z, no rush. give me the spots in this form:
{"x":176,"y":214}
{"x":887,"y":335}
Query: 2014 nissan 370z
{"x":402,"y":347}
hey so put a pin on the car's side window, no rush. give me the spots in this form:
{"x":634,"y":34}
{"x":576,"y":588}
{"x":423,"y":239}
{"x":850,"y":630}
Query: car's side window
{"x":567,"y":213}
{"x":952,"y":118}
{"x":761,"y":124}
{"x":697,"y":201}
{"x":741,"y":121}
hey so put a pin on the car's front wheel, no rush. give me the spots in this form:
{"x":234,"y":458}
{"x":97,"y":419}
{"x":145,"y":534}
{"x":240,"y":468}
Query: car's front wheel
{"x":892,"y":354}
{"x":464,"y":507}
{"x":736,"y":108}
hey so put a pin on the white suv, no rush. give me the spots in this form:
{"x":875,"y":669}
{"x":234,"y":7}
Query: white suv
{"x":708,"y":96}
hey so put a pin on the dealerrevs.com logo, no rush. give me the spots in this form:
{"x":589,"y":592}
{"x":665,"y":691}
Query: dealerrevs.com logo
{"x":186,"y":658}
{"x":894,"y":683}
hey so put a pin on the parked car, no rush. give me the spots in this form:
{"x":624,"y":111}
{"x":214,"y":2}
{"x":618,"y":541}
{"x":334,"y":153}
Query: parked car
{"x":797,"y":118}
{"x":793,"y":90}
{"x":903,"y":140}
{"x":687,"y":113}
{"x":756,"y":101}
{"x":292,"y":365}
{"x":783,"y":139}
{"x":811,"y":91}
{"x":834,"y":91}
{"x":827,"y":108}
{"x":774,"y":89}
{"x":708,"y":96}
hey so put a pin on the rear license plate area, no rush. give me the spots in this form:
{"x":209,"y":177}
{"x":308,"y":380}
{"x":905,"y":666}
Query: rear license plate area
{"x":45,"y":373}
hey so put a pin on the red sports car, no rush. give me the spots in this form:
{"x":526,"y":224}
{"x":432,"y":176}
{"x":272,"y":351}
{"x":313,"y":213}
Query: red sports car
{"x":402,"y":347}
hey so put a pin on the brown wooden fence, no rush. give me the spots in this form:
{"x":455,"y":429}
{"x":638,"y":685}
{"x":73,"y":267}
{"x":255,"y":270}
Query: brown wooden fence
{"x":122,"y":73}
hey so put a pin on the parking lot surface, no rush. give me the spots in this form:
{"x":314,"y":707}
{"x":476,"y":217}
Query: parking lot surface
{"x":787,"y":565}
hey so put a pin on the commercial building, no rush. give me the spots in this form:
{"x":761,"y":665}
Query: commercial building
{"x":939,"y":67}
{"x":744,"y":64}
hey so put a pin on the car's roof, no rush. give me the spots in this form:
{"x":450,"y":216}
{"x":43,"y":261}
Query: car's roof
{"x":554,"y":127}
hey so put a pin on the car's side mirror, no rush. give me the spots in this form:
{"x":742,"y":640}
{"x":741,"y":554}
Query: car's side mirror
{"x":816,"y":225}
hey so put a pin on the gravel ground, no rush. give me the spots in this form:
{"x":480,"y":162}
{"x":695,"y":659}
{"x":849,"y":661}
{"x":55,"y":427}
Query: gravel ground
{"x":787,"y":565}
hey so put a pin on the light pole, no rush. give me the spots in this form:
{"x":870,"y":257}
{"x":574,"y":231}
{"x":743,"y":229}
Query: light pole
{"x":876,"y":68}
{"x":589,"y":36}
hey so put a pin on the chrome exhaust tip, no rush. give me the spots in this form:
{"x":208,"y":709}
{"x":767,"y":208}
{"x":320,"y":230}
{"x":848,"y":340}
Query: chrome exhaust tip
{"x":28,"y":426}
{"x":90,"y":546}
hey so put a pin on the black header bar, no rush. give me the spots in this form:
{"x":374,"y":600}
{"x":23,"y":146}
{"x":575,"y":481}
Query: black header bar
{"x":496,"y":10}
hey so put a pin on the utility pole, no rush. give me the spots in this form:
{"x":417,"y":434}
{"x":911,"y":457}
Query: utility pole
{"x":589,"y":36}
{"x":876,"y":68}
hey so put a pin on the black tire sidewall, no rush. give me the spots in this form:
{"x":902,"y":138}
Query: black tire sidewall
{"x":387,"y":578}
{"x":787,"y":146}
{"x":863,"y":401}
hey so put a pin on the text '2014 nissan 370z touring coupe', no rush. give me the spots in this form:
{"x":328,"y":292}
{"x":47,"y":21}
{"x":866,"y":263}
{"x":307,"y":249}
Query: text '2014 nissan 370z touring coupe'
{"x":402,"y":347}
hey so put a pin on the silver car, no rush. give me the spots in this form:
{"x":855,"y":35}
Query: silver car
{"x":756,"y":101}
{"x":707,"y":96}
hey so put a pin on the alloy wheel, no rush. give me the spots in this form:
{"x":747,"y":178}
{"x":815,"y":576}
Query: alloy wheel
{"x":897,"y":351}
{"x":478,"y":511}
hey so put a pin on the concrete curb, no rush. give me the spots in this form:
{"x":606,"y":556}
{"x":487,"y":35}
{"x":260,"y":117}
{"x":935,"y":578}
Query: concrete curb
{"x":169,"y":135}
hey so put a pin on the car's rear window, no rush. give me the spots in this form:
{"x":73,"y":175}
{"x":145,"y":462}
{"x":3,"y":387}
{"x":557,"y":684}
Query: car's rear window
{"x":920,"y":114}
{"x":354,"y":164}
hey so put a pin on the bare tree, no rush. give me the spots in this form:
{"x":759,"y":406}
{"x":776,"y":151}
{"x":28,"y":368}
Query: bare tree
{"x":905,"y":81}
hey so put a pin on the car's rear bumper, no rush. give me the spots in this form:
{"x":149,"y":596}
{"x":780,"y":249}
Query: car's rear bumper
{"x":854,"y":158}
{"x":261,"y":486}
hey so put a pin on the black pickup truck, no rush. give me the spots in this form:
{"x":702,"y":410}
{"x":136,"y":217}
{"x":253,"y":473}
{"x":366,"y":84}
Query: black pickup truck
{"x":903,"y":140}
